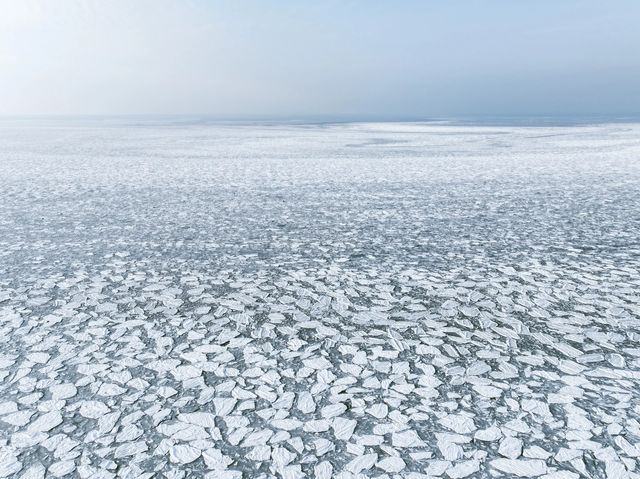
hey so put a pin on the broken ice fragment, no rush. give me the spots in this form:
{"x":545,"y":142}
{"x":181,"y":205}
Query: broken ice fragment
{"x":46,"y":422}
{"x":407,"y":438}
{"x":392,"y":464}
{"x":520,"y":467}
{"x":361,"y":463}
{"x":343,"y":428}
{"x":183,"y":454}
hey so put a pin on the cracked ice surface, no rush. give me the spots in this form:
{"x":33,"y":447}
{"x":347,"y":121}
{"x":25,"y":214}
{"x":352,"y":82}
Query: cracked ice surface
{"x":358,"y":300}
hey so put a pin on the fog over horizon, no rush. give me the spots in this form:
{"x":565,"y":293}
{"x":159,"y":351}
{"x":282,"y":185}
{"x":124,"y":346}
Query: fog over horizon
{"x":333,"y":59}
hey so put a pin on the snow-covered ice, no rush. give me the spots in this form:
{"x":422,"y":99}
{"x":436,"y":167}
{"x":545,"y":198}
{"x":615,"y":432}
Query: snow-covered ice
{"x":193,"y":299}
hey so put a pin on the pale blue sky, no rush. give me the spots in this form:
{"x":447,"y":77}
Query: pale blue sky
{"x":348,"y":58}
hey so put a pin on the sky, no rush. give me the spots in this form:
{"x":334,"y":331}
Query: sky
{"x":394,"y":59}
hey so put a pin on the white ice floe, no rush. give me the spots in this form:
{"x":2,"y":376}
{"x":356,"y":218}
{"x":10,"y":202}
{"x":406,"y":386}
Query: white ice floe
{"x":93,"y":409}
{"x":459,"y":423}
{"x":406,"y":439}
{"x":343,"y":428}
{"x":184,"y":453}
{"x":361,"y":463}
{"x":520,"y":467}
{"x":463,"y":469}
{"x":45,"y":423}
{"x":510,"y":447}
{"x":392,"y":464}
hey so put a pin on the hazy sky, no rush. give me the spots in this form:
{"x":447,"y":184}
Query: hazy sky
{"x":303,"y":58}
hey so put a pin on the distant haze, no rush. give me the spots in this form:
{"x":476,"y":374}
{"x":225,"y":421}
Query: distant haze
{"x":304,"y":59}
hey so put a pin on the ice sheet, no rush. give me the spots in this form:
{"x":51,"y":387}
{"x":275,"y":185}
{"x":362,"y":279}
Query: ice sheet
{"x":246,"y":300}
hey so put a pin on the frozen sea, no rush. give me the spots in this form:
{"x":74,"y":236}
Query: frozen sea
{"x":232,"y":300}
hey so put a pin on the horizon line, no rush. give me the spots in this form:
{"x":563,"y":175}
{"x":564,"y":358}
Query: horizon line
{"x":489,"y":120}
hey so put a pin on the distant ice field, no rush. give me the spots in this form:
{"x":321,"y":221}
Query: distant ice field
{"x":339,"y":300}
